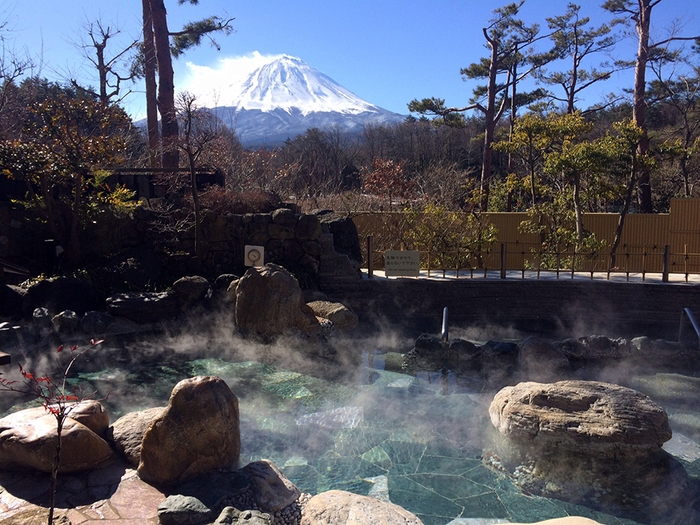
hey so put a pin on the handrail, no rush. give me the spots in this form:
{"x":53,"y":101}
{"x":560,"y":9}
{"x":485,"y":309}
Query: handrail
{"x":13,"y":268}
{"x":522,"y":256}
{"x":445,"y":335}
{"x":693,"y":323}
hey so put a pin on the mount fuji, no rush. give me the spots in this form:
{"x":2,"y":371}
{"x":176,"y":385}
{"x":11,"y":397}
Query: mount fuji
{"x":284,"y":97}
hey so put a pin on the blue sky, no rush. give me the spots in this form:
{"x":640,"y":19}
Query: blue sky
{"x":388,"y":52}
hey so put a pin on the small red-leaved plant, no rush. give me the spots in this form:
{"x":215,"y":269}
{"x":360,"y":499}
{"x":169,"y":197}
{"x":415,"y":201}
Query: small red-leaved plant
{"x":54,"y":399}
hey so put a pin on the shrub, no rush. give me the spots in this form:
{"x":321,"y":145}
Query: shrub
{"x":222,"y":201}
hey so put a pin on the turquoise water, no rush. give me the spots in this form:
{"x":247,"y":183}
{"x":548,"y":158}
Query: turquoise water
{"x":416,"y":441}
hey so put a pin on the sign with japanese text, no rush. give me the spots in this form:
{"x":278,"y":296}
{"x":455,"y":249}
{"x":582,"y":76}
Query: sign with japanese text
{"x":401,"y":263}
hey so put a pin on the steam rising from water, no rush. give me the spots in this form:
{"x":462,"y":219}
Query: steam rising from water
{"x":319,"y":411}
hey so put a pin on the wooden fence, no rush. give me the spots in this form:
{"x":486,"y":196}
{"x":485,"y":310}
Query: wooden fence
{"x":651,"y":243}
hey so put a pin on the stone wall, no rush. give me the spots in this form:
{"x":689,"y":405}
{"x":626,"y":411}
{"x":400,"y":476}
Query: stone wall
{"x":18,"y":243}
{"x":287,"y":237}
{"x":9,"y":230}
{"x":303,"y":243}
{"x":535,"y":306}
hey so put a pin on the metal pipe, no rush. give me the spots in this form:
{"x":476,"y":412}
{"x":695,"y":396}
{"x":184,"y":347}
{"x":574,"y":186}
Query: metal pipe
{"x":445,"y":334}
{"x":693,"y":322}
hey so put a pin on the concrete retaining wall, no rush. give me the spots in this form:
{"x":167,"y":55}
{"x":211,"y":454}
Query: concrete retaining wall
{"x":561,"y":308}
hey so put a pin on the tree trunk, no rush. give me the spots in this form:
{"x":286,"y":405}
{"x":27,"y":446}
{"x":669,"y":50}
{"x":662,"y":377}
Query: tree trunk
{"x":166,"y":86}
{"x":578,"y":211}
{"x":638,"y":113}
{"x":73,"y":249}
{"x":684,"y":161}
{"x":623,"y":215}
{"x":54,"y":468}
{"x":511,"y":127}
{"x":102,"y":70}
{"x":490,"y":125}
{"x":195,"y":202}
{"x":686,"y":175}
{"x":150,"y":63}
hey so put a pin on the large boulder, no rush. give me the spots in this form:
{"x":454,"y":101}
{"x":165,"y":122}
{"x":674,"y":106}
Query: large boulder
{"x":197,"y":432}
{"x":346,"y":240}
{"x":589,"y":442}
{"x":28,"y":439}
{"x":337,"y":507}
{"x":62,"y":293}
{"x":66,"y":322}
{"x":595,"y":348}
{"x":539,"y":360}
{"x":183,"y":510}
{"x":340,"y":315}
{"x":271,"y":490}
{"x":269,"y":303}
{"x":662,"y":354}
{"x":145,"y":307}
{"x":127,"y":432}
{"x":429,"y":353}
{"x":580,"y":415}
{"x":192,"y":289}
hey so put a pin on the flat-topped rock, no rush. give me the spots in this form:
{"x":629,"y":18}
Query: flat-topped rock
{"x":593,"y":443}
{"x":28,"y":439}
{"x":338,"y":507}
{"x":145,"y":307}
{"x":579,"y":414}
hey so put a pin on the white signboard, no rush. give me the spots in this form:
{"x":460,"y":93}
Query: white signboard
{"x":254,"y":255}
{"x":402,"y":263}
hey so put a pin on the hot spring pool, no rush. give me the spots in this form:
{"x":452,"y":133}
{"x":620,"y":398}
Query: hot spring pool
{"x":416,"y":441}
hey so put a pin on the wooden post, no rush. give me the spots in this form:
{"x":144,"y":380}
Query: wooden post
{"x":665,"y":266}
{"x":503,"y":260}
{"x":370,"y":257}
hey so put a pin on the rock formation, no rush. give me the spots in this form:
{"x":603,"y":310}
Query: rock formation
{"x":589,"y":416}
{"x":338,"y":507}
{"x":28,"y":439}
{"x":146,"y":307}
{"x":127,"y":432}
{"x":269,"y":303}
{"x":197,"y":432}
{"x":192,"y":289}
{"x":61,"y":293}
{"x":341,"y":316}
{"x":272,"y":490}
{"x":539,"y":360}
{"x":589,"y":442}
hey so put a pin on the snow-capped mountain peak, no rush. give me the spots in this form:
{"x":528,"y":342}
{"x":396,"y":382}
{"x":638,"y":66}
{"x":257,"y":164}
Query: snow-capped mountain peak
{"x":286,"y":82}
{"x":269,"y":99}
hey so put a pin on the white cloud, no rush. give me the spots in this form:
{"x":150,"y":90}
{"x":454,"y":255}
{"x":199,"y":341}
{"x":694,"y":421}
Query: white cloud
{"x":218,"y":85}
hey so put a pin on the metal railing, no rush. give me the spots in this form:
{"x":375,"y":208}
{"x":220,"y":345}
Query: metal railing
{"x":687,"y":315}
{"x":531,"y":260}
